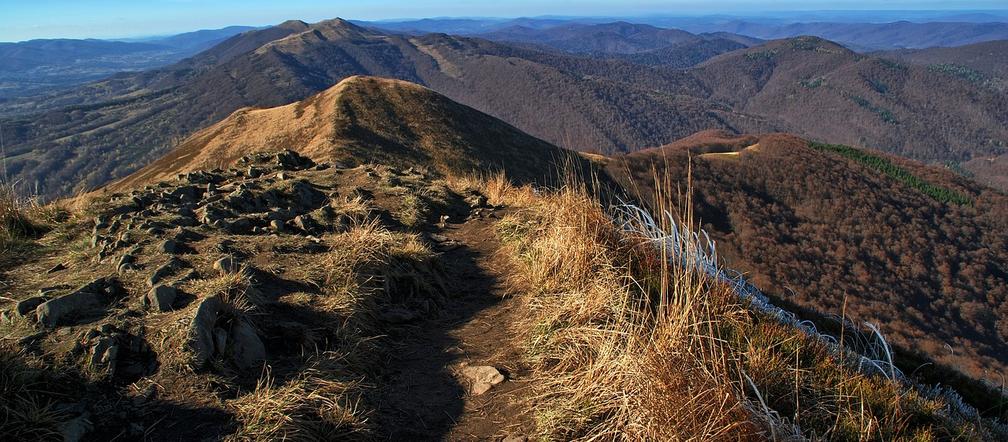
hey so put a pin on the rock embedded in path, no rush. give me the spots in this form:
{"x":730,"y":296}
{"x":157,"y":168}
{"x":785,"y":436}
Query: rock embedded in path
{"x":89,"y":297}
{"x":161,"y":298}
{"x":481,"y":378}
{"x":168,"y":268}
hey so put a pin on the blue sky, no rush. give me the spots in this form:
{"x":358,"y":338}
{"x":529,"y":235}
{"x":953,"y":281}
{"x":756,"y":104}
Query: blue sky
{"x":27,"y":19}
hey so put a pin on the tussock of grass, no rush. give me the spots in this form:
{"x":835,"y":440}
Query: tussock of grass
{"x":498,"y":189}
{"x":23,"y":220}
{"x":618,"y":356}
{"x":314,"y":406}
{"x":27,"y":399}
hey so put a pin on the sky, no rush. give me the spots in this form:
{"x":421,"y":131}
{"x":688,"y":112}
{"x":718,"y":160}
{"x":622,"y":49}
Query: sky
{"x":29,"y":19}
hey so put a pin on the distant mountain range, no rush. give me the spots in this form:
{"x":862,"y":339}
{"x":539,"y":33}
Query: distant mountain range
{"x":38,"y":66}
{"x":862,"y":34}
{"x":605,"y":102}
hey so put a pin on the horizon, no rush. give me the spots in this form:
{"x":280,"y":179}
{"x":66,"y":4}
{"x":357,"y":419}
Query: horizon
{"x":118,"y":20}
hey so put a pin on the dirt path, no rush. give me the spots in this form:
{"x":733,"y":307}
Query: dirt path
{"x":427,"y":397}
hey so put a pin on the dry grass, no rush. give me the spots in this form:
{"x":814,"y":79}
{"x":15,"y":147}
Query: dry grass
{"x":619,"y":356}
{"x":27,"y":399}
{"x":627,"y":346}
{"x":314,"y":406}
{"x":319,"y":400}
{"x":23,"y":220}
{"x":498,"y":189}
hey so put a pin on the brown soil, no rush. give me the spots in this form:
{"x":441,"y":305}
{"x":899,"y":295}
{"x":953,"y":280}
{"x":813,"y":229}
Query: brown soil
{"x":426,"y":397}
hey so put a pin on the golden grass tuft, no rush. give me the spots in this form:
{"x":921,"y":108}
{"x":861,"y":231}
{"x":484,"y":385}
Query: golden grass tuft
{"x":615,"y":362}
{"x":497,"y":188}
{"x":314,"y":406}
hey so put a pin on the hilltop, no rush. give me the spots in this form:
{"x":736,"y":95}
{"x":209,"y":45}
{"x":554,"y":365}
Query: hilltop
{"x":420,"y":293}
{"x":391,"y":122}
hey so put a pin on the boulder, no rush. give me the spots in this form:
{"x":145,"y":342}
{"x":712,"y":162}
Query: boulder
{"x":61,"y":310}
{"x":245,"y":348}
{"x":482,"y":378}
{"x":227,"y":264}
{"x":161,"y":298}
{"x":201,"y":330}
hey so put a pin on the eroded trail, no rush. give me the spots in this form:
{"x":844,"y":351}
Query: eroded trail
{"x":428,"y":394}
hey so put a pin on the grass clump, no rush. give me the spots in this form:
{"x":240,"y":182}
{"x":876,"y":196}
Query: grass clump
{"x":314,"y":406}
{"x":939,"y":193}
{"x":27,"y":399}
{"x":617,"y":357}
{"x":22,"y":221}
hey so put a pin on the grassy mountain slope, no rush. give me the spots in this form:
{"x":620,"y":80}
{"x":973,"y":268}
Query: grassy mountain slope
{"x":608,"y":38}
{"x":588,"y":101}
{"x":42,"y":66}
{"x":390,"y":122}
{"x":879,"y":36}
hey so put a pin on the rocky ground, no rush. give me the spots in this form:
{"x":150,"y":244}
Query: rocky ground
{"x":279,"y":298}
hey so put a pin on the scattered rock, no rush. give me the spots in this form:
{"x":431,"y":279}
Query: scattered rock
{"x":170,"y":246}
{"x":476,"y":201}
{"x":482,"y":378}
{"x":307,"y":224}
{"x":277,"y":225}
{"x":212,"y":336}
{"x":166,"y":269}
{"x":227,"y":264}
{"x":56,"y":268}
{"x":161,"y":298}
{"x":126,"y":262}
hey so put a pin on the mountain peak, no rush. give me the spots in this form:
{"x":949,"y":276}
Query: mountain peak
{"x":295,"y":25}
{"x":365,"y":119}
